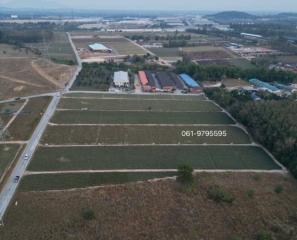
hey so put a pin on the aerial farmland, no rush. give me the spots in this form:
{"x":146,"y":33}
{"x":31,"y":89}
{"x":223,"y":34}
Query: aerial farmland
{"x":126,"y":137}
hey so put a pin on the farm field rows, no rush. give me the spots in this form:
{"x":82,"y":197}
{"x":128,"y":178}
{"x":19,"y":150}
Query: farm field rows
{"x":132,"y":117}
{"x":139,"y":105}
{"x":135,"y":134}
{"x":94,"y":135}
{"x":150,"y":157}
{"x":79,"y":95}
{"x":43,"y":182}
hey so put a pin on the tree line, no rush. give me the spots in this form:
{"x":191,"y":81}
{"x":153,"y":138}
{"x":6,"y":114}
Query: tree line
{"x":219,"y":72}
{"x":272,"y":123}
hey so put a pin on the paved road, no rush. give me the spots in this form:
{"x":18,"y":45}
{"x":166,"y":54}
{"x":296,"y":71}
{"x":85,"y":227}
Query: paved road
{"x":11,"y":185}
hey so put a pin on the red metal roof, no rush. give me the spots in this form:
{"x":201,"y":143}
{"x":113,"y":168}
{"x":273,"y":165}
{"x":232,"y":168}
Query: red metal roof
{"x":142,"y":77}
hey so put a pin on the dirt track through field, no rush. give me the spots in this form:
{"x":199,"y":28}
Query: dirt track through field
{"x":45,"y":75}
{"x":21,"y":81}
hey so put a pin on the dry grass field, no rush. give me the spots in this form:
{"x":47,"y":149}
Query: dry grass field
{"x":160,"y":210}
{"x":119,"y":46}
{"x":29,"y":76}
{"x":24,"y":124}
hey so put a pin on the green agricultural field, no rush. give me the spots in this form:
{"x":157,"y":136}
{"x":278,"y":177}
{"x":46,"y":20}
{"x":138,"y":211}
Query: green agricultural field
{"x":169,"y":54}
{"x":139,"y":105}
{"x":136,"y":96}
{"x":132,"y":117}
{"x":7,"y":155}
{"x":93,"y":135}
{"x":45,"y":182}
{"x":150,"y":157}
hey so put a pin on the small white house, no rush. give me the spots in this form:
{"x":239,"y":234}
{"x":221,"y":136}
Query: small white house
{"x":121,"y":79}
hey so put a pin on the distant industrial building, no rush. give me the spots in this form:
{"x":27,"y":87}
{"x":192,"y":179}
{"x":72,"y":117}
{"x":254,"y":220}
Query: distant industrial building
{"x":264,"y":86}
{"x":191,"y":83}
{"x":251,"y":36}
{"x":121,"y":79}
{"x":98,"y":47}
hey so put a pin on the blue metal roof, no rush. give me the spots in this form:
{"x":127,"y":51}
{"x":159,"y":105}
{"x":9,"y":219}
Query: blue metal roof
{"x":261,"y":84}
{"x":188,"y":80}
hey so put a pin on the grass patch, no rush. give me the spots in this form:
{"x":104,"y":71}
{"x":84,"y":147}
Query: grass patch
{"x":143,"y":105}
{"x":132,"y":117}
{"x":92,"y":135}
{"x":23,"y":126}
{"x":80,"y":180}
{"x":151,"y":157}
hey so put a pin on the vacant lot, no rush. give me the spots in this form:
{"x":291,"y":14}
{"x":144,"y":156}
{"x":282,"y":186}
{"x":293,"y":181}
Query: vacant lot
{"x":7,"y":50}
{"x":23,"y":126}
{"x":136,"y":96}
{"x":93,"y":135}
{"x":168,"y":54}
{"x":44,"y":182}
{"x":139,"y":105}
{"x":30,"y":76}
{"x":132,"y":117}
{"x":160,"y":211}
{"x":7,"y":110}
{"x":150,"y":157}
{"x":8,"y":153}
{"x":119,"y":46}
{"x":58,"y":48}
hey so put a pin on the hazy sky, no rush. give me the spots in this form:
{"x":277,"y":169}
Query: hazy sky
{"x":200,"y":5}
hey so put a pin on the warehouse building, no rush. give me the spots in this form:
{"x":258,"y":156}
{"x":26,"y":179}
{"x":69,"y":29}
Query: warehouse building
{"x":180,"y":85}
{"x":193,"y":86}
{"x":98,"y":47}
{"x":121,"y":79}
{"x":144,"y":81}
{"x":165,"y":81}
{"x":264,"y":86}
{"x":152,"y":81}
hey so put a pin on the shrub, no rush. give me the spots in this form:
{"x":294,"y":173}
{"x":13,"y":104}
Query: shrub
{"x":88,"y":214}
{"x":185,"y":175}
{"x":278,"y":189}
{"x":250,"y":193}
{"x":218,"y":194}
{"x":264,"y":235}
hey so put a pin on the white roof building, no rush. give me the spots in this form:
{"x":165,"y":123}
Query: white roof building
{"x":98,"y":47}
{"x":121,"y":79}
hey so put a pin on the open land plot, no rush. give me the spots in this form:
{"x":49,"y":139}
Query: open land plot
{"x":139,"y":105}
{"x":7,"y":110}
{"x":136,"y":96}
{"x":8,"y":153}
{"x":229,"y":83}
{"x":169,"y":54}
{"x":119,"y":46}
{"x":132,"y":117}
{"x":7,"y":50}
{"x":93,"y":135}
{"x":58,"y":48}
{"x":159,"y":210}
{"x":151,"y":157}
{"x":23,"y":126}
{"x":44,"y":182}
{"x":30,"y":76}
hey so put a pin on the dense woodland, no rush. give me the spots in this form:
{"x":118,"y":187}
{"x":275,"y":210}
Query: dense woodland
{"x":272,"y":123}
{"x":219,"y":72}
